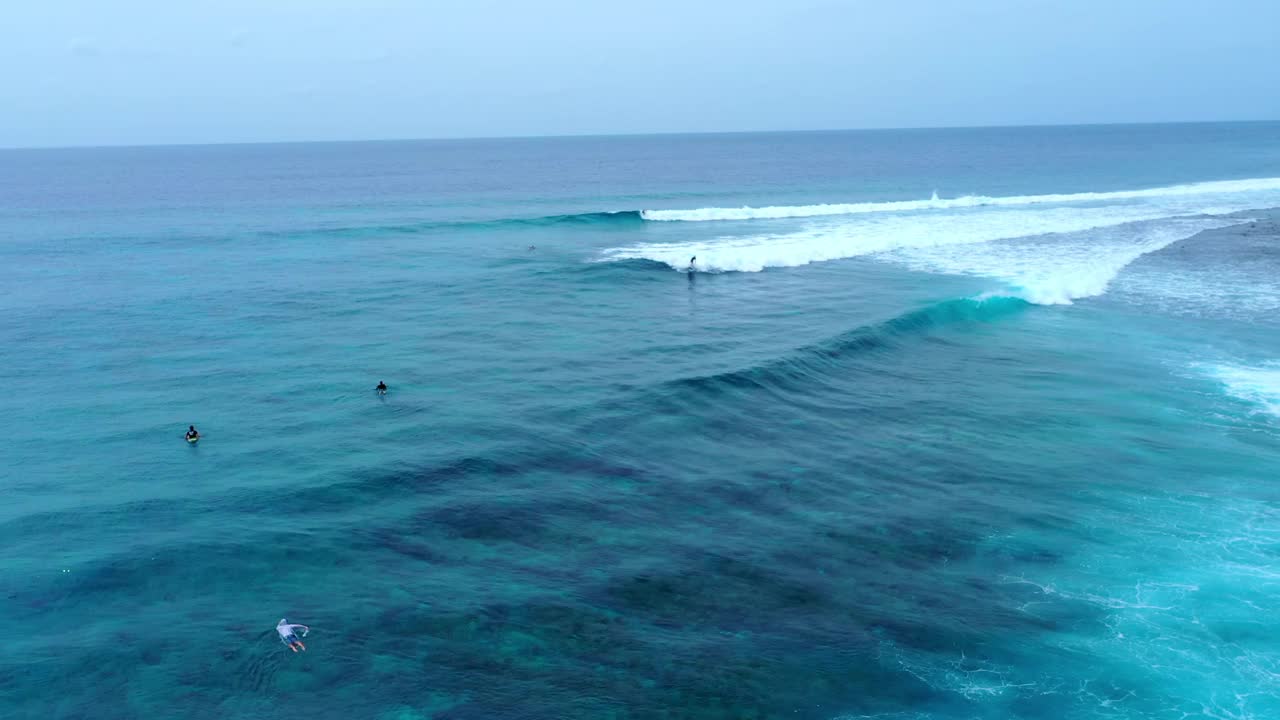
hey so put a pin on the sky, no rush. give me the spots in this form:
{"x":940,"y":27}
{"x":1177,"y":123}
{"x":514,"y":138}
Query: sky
{"x":125,"y":72}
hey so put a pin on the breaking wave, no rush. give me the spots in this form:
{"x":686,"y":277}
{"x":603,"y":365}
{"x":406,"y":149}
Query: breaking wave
{"x":966,"y":201}
{"x":1258,"y":386}
{"x":1047,"y":249}
{"x":808,"y":363}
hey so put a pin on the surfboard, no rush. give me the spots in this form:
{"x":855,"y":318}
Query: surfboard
{"x":193,"y":440}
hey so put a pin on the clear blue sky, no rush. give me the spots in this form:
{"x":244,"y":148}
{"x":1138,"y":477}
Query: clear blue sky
{"x":132,"y":72}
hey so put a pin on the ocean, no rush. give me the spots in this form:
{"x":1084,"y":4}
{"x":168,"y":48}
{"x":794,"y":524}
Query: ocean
{"x":940,"y":425}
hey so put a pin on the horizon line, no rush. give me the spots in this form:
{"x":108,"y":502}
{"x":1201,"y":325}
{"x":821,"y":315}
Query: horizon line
{"x":571,"y":136}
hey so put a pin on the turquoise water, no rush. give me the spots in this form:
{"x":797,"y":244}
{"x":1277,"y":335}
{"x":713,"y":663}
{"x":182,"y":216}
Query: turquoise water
{"x":945,"y":425}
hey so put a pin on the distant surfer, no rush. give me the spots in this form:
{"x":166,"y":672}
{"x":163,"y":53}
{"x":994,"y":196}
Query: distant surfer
{"x":290,"y":638}
{"x":532,"y":248}
{"x":693,"y":264}
{"x":192,"y":434}
{"x":382,"y":388}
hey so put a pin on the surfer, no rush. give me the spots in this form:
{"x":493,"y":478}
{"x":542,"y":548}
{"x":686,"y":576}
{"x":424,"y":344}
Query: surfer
{"x":192,"y":434}
{"x":693,"y":263}
{"x":382,"y":388}
{"x":289,"y":637}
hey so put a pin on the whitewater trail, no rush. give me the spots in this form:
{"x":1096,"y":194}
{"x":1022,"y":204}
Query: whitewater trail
{"x":1047,"y":249}
{"x":1058,"y":269}
{"x":936,"y":243}
{"x":1258,"y":386}
{"x":869,"y":236}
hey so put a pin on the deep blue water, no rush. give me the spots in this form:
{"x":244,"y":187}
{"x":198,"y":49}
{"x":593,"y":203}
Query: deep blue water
{"x":946,"y":424}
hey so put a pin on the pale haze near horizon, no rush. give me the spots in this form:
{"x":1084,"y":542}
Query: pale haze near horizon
{"x":88,"y":73}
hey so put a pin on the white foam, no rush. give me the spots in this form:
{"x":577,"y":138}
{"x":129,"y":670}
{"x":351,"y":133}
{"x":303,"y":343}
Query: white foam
{"x":1044,"y":252}
{"x":884,"y":234}
{"x":1221,"y":187}
{"x":1224,"y":286}
{"x":1057,"y":269}
{"x":1259,"y":386}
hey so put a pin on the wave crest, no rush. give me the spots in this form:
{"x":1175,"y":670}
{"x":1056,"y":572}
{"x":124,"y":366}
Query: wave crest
{"x":1258,"y":386}
{"x":966,"y":201}
{"x":809,"y":363}
{"x":1059,"y":269}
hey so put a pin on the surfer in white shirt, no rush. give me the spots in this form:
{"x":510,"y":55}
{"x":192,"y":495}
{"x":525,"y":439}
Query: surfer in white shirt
{"x":289,"y":637}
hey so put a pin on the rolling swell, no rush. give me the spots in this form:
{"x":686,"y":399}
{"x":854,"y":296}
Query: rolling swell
{"x":590,"y":219}
{"x":1216,"y":191}
{"x":810,"y":364}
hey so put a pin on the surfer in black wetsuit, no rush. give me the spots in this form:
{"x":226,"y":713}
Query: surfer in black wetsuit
{"x":382,"y":388}
{"x":192,"y":434}
{"x":692,"y":263}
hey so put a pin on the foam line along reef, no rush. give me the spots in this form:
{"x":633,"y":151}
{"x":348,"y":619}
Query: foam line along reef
{"x":966,"y":201}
